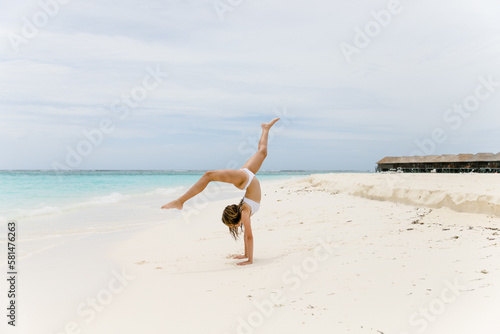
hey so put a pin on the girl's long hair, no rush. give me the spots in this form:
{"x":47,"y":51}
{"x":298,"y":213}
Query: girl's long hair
{"x":231,"y":217}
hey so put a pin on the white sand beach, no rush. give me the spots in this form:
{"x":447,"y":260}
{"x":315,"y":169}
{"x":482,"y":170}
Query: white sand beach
{"x":299,"y":117}
{"x":334,"y":253}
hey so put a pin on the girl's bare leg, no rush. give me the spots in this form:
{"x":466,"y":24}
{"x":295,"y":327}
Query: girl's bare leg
{"x":228,"y":176}
{"x":254,"y":163}
{"x":222,"y":175}
{"x":193,"y":191}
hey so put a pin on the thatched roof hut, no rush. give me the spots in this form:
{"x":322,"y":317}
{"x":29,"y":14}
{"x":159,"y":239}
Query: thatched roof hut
{"x":477,"y":161}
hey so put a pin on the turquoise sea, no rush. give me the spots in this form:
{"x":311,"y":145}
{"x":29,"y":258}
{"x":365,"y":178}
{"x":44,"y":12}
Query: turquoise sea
{"x":28,"y":193}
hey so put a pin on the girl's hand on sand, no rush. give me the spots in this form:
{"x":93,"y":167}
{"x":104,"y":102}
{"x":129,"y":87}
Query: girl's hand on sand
{"x":239,"y":257}
{"x":244,"y":263}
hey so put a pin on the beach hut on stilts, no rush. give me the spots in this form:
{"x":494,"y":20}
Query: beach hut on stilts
{"x":447,"y":163}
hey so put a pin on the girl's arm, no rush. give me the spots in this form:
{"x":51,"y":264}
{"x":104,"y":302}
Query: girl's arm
{"x":246,"y":248}
{"x":248,"y":237}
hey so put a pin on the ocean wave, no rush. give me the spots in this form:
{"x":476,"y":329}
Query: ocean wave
{"x":58,"y":209}
{"x":46,"y":210}
{"x":165,"y":191}
{"x":107,"y":199}
{"x":113,"y":198}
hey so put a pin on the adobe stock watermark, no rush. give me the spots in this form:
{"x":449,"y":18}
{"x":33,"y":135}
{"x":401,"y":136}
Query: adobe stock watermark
{"x":453,"y":119}
{"x":89,"y":309}
{"x":371,"y":30}
{"x":454,"y":116}
{"x":30,"y":27}
{"x":292,"y":279}
{"x":93,"y":138}
{"x":245,"y":148}
{"x":249,"y":146}
{"x":421,"y":319}
{"x":221,"y":7}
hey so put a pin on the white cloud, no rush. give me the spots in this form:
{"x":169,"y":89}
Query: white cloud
{"x":227,"y":75}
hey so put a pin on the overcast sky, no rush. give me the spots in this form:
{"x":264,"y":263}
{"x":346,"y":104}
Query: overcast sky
{"x":354,"y":81}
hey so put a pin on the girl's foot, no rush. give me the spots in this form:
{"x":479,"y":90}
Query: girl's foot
{"x":244,"y":263}
{"x":173,"y":205}
{"x":239,"y":257}
{"x":270,"y":124}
